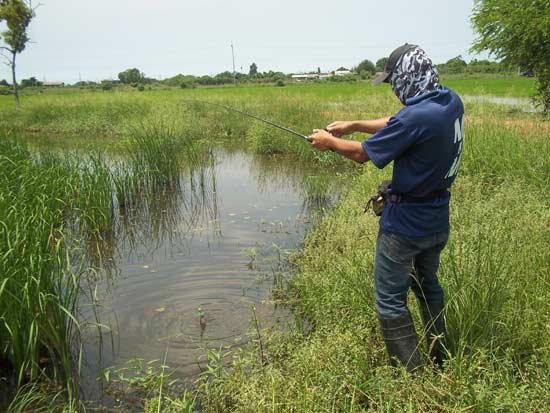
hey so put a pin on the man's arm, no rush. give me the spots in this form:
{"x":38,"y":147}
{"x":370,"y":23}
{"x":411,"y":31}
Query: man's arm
{"x":322,"y":140}
{"x":340,"y":128}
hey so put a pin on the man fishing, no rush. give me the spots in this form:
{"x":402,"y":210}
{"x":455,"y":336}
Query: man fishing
{"x":424,"y":141}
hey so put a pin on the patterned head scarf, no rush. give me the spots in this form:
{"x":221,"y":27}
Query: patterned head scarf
{"x":414,"y":75}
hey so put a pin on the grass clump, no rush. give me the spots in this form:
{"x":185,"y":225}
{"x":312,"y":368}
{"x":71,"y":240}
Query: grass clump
{"x":155,"y":151}
{"x":40,"y":282}
{"x":91,"y":114}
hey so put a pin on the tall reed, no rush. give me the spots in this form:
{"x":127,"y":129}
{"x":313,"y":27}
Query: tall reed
{"x":40,"y":282}
{"x":59,"y":220}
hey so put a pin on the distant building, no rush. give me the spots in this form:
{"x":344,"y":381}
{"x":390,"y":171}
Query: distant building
{"x":342,"y":72}
{"x":300,"y":77}
{"x":53,"y":84}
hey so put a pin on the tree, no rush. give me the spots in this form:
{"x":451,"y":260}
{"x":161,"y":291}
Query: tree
{"x":454,"y":65}
{"x":225,"y":77}
{"x":181,"y":79}
{"x":486,"y":66}
{"x":253,"y":70}
{"x":517,"y":31}
{"x":365,"y":66}
{"x":131,"y":76}
{"x":17,"y":14}
{"x":381,"y":64}
{"x":30,"y":82}
{"x":106,"y":85}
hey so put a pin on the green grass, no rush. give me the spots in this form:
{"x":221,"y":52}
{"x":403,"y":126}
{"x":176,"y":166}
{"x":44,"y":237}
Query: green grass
{"x":523,"y":87}
{"x":103,"y":114}
{"x":125,"y":153}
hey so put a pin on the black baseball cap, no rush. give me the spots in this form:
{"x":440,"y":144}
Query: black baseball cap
{"x":392,"y":63}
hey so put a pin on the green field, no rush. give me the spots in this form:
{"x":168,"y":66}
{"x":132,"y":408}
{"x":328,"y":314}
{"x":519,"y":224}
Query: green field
{"x":471,"y":85}
{"x":56,"y":196}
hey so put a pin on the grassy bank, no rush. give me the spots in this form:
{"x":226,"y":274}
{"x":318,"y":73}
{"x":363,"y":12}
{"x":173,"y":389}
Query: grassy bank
{"x":495,"y":274}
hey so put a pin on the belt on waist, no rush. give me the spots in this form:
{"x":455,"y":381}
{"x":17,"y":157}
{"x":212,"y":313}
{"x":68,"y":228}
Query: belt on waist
{"x":399,"y":198}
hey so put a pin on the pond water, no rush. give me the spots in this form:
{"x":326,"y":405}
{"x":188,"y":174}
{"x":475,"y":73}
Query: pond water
{"x":187,"y":270}
{"x":525,"y":104}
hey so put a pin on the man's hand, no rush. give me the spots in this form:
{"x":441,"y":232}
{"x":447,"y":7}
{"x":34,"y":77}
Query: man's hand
{"x":321,"y":139}
{"x":341,"y":128}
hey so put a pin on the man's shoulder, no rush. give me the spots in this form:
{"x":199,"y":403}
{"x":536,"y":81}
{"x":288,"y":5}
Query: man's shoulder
{"x":432,"y":107}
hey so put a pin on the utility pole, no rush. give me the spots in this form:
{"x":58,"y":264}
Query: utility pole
{"x":234,"y":73}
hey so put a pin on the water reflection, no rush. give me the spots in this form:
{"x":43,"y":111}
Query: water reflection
{"x":148,"y":213}
{"x":317,"y":184}
{"x":180,"y":256}
{"x":524,"y":104}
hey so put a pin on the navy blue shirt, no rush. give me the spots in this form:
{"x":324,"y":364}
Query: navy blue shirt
{"x":424,"y":141}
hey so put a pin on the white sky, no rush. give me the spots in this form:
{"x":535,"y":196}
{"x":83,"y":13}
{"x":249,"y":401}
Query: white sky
{"x":97,"y":39}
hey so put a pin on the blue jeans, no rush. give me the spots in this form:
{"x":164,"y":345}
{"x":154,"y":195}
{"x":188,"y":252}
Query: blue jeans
{"x":401,"y":263}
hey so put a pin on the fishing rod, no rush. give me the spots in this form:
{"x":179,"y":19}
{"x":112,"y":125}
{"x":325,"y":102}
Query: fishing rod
{"x":269,"y":122}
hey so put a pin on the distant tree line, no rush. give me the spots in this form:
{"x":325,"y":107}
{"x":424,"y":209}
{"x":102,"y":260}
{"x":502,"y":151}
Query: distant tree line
{"x":254,"y":76}
{"x":457,"y":65}
{"x":135,"y":78}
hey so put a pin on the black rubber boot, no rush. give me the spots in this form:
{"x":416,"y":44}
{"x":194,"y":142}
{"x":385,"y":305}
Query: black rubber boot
{"x":401,"y":341}
{"x":433,"y":316}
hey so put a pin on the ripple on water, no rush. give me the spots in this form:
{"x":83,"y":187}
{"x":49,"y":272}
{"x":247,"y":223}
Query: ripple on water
{"x":153,"y":302}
